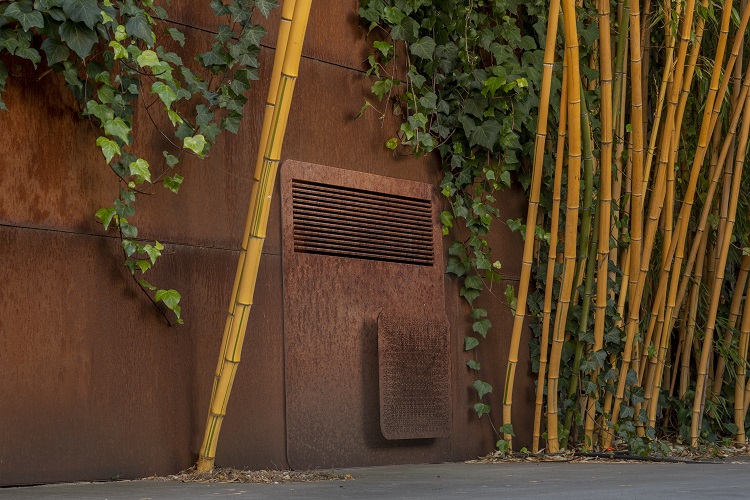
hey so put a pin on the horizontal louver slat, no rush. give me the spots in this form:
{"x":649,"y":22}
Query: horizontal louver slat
{"x":347,"y":222}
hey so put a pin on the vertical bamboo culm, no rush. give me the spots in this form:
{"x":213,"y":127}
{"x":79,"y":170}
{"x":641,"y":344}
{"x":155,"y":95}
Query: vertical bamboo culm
{"x":286,"y":68}
{"x":536,"y":183}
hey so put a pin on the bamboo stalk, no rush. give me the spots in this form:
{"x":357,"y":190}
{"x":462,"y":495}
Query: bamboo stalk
{"x":605,"y":201}
{"x":740,"y":397}
{"x":551,"y":259}
{"x":571,"y":219}
{"x":278,"y":61}
{"x":702,"y":377}
{"x":691,"y":325}
{"x":636,"y":200}
{"x":257,"y":221}
{"x":734,"y":313}
{"x":536,"y":183}
{"x":584,"y":248}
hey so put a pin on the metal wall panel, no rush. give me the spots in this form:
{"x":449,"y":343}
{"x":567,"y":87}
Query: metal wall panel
{"x":95,"y":385}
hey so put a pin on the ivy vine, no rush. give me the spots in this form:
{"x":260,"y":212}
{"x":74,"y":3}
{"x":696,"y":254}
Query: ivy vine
{"x":120,"y":55}
{"x":469,"y":93}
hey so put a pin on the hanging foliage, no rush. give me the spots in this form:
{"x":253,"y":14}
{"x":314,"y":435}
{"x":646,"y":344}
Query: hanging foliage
{"x":122,"y":58}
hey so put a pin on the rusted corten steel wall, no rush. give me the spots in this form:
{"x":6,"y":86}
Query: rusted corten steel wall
{"x":93,"y":384}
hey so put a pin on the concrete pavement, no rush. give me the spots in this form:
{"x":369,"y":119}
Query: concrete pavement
{"x":561,"y":481}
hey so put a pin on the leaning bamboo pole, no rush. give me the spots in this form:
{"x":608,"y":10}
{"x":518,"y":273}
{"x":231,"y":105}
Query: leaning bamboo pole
{"x":257,"y":220}
{"x":571,"y":219}
{"x":536,"y":183}
{"x":278,"y":61}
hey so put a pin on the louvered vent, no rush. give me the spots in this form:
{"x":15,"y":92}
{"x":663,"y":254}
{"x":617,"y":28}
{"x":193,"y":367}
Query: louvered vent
{"x":347,"y":222}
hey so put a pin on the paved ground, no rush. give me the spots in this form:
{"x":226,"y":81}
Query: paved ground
{"x":560,"y":481}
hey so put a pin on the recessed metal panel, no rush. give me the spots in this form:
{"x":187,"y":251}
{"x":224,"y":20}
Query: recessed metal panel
{"x":363,"y":244}
{"x":414,"y":376}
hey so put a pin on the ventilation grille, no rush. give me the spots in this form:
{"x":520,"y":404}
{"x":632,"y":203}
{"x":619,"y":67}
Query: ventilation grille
{"x":346,"y":222}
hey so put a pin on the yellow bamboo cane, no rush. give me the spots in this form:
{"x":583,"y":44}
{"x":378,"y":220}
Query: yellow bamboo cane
{"x":636,"y":212}
{"x":255,"y":232}
{"x":605,"y":200}
{"x":551,"y":259}
{"x":707,"y":349}
{"x":536,"y":183}
{"x":734,"y":312}
{"x":571,"y":218}
{"x":740,"y":399}
{"x":287,"y":11}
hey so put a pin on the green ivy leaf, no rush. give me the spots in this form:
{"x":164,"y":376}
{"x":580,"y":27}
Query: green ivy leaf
{"x":481,"y":409}
{"x":109,"y":148}
{"x":485,"y":135}
{"x":481,"y":327}
{"x":266,"y":6}
{"x":55,"y":51}
{"x":195,"y":144}
{"x":140,"y":168}
{"x":177,"y":36}
{"x":482,"y":388}
{"x":143,"y":265}
{"x":473,"y":283}
{"x":170,"y":298}
{"x":506,"y":429}
{"x":130,"y":247}
{"x":148,"y":59}
{"x":116,"y":127}
{"x":25,"y":14}
{"x":470,"y":343}
{"x":138,"y":26}
{"x":119,"y":50}
{"x":166,"y":94}
{"x":424,"y":48}
{"x":85,"y":11}
{"x":146,"y":284}
{"x":473,"y":365}
{"x":105,"y":216}
{"x":173,"y":183}
{"x":78,"y":37}
{"x":153,"y":252}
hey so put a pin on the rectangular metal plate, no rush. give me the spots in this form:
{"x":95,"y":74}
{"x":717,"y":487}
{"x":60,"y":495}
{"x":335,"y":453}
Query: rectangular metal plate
{"x":414,"y":376}
{"x":331,"y":306}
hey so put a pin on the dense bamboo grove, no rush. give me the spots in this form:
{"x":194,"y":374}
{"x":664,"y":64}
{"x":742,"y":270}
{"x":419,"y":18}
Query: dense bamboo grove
{"x":645,"y":328}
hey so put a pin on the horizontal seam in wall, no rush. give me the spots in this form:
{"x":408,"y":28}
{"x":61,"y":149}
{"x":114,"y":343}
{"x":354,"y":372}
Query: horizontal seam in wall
{"x":112,"y":237}
{"x":266,"y":46}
